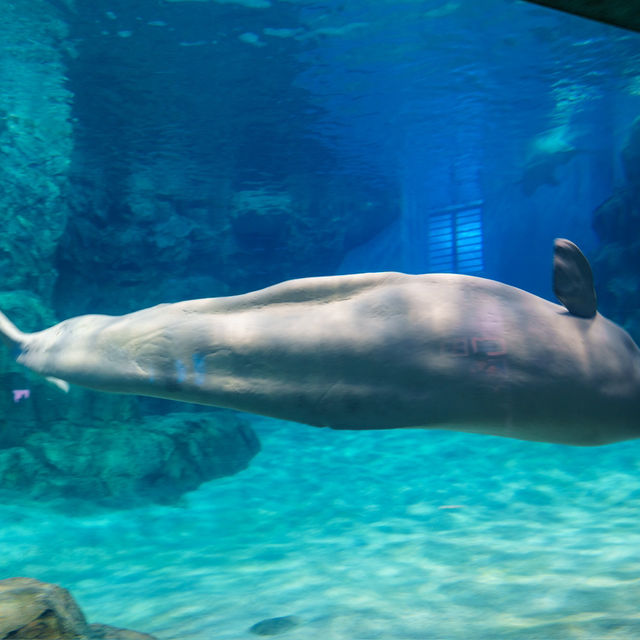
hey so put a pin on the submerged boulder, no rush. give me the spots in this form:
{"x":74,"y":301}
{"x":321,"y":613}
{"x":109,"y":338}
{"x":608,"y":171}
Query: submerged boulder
{"x":33,"y":609}
{"x":157,"y":459}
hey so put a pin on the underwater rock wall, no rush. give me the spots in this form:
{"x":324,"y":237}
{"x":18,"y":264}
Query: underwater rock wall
{"x":190,"y":177}
{"x":133,"y":178}
{"x":166,"y":238}
{"x":36,"y":142}
{"x":36,"y":146}
{"x":123,"y":465}
{"x":617,"y":223}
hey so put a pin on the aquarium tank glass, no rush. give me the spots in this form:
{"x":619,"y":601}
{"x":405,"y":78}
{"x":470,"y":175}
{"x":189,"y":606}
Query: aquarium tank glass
{"x":404,"y":168}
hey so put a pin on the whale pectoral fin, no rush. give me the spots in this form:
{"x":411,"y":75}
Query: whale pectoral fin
{"x":573,"y":279}
{"x":63,"y":385}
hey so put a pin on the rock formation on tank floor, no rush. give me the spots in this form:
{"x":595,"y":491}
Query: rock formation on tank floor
{"x":33,"y":609}
{"x":125,"y":465}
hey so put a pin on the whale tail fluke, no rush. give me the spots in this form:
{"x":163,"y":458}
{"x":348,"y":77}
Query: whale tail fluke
{"x":10,"y":334}
{"x":15,"y":340}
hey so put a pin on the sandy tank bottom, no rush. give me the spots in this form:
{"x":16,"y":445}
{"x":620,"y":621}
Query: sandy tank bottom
{"x":373,"y":535}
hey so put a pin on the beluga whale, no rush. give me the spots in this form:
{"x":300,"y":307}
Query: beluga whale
{"x":372,"y":351}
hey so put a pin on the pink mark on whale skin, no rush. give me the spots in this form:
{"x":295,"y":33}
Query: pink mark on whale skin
{"x":21,"y":394}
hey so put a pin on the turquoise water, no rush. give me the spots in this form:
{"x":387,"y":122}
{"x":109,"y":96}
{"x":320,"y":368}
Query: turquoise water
{"x":162,"y":150}
{"x":386,"y":535}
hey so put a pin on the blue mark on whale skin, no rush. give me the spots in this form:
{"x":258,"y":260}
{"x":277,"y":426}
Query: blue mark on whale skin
{"x":199,"y":368}
{"x":181,"y":371}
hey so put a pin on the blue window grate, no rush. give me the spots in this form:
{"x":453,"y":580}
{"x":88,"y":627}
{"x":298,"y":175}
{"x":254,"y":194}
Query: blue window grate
{"x":455,"y":239}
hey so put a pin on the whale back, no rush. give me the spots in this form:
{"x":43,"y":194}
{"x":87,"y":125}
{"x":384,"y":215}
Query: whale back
{"x":372,"y":351}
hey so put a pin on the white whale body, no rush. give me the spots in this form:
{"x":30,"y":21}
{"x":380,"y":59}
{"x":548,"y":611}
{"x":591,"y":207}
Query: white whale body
{"x":372,"y":351}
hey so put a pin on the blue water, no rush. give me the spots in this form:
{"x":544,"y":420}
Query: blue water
{"x":425,"y":105}
{"x":389,"y":535}
{"x":497,"y":109}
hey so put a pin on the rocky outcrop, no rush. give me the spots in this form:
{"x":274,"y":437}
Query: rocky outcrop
{"x":36,"y":142}
{"x":209,"y":244}
{"x":124,"y":465}
{"x":33,"y":609}
{"x":617,"y":264}
{"x":190,"y":177}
